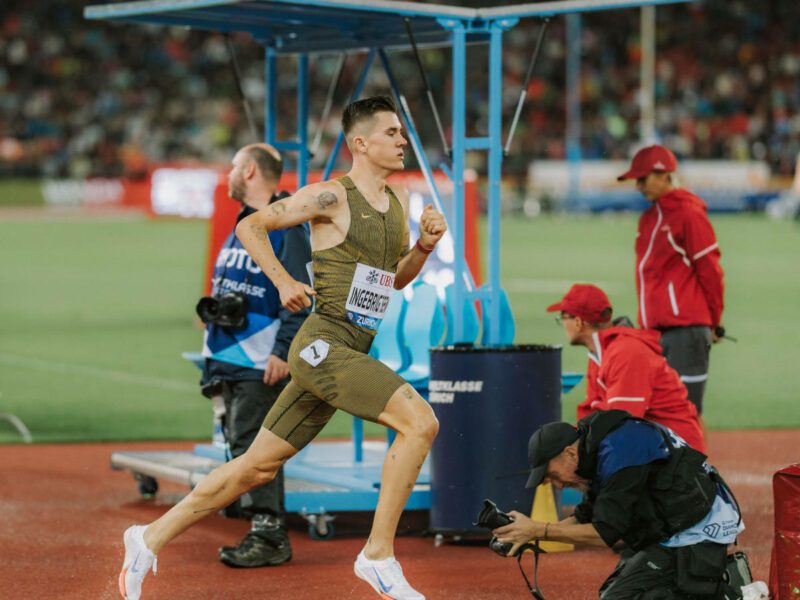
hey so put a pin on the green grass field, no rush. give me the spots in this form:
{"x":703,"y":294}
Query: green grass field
{"x":95,"y":313}
{"x":753,"y":383}
{"x":21,"y":192}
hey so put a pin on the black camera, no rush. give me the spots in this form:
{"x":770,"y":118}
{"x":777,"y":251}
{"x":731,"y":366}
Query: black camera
{"x":226,"y":310}
{"x":491,"y":518}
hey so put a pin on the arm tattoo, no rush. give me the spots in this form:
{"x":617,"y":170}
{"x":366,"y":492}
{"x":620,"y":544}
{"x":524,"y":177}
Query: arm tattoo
{"x":325,"y":199}
{"x":205,"y":510}
{"x":277,"y":209}
{"x":259,"y":232}
{"x":406,"y":245}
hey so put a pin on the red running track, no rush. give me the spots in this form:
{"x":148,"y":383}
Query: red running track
{"x":63,"y":511}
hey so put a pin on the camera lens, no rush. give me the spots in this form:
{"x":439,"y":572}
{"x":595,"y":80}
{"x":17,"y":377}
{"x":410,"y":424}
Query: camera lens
{"x":227,"y":310}
{"x":207,"y":309}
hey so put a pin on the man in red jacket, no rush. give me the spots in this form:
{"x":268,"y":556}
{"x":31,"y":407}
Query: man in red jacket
{"x":678,"y":276}
{"x":626,"y":368}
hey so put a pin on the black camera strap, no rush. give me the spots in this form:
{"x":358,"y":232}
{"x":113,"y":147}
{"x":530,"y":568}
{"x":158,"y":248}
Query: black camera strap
{"x":534,"y":589}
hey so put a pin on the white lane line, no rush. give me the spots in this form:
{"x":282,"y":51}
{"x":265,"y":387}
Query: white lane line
{"x":10,"y":360}
{"x":748,"y":478}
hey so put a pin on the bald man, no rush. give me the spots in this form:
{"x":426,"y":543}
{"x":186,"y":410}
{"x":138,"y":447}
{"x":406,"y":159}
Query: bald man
{"x":247,"y":364}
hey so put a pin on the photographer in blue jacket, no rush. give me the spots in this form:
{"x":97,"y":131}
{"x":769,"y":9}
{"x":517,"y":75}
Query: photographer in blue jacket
{"x":246,"y":344}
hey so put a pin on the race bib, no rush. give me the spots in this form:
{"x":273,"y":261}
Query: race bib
{"x":315,"y":352}
{"x":369,"y":296}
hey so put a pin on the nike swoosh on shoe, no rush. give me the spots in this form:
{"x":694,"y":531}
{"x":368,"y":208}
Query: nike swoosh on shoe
{"x":384,"y":588}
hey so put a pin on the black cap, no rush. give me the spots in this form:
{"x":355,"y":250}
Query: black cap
{"x":545,"y":444}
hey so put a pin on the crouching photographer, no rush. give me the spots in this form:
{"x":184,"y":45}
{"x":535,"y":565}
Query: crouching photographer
{"x":643,"y":485}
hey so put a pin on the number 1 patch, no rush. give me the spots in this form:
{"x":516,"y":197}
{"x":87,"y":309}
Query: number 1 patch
{"x":315,"y":352}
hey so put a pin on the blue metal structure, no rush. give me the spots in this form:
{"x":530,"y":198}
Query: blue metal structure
{"x":305,"y":27}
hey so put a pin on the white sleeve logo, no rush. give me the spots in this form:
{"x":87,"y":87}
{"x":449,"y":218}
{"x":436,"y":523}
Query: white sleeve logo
{"x":315,"y":352}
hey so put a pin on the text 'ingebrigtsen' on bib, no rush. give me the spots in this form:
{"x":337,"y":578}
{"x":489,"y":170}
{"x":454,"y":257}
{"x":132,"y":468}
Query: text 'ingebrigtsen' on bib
{"x":369,"y":296}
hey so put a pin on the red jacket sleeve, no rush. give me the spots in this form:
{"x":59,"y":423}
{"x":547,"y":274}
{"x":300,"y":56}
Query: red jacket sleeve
{"x":593,"y":396}
{"x":627,"y":373}
{"x":703,"y":249}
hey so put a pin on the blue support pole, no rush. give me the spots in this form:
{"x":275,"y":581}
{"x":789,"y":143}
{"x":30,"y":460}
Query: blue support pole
{"x":271,"y":100}
{"x":337,"y":146}
{"x":573,"y":141}
{"x":416,"y":145}
{"x":478,"y":143}
{"x":302,"y":120}
{"x":358,"y":440}
{"x":495,"y":173}
{"x":458,"y":144}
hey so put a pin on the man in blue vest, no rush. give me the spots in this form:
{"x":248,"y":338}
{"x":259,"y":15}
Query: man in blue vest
{"x":246,"y":362}
{"x":644,"y":485}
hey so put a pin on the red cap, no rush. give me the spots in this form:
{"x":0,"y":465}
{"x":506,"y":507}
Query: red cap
{"x":647,"y":160}
{"x":585,"y":301}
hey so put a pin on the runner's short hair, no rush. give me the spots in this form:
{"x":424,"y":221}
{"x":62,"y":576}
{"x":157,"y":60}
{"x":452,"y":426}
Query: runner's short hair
{"x":360,"y":110}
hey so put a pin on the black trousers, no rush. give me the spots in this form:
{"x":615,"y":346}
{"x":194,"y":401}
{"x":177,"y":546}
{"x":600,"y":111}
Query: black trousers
{"x":246,"y":405}
{"x":650,"y":571}
{"x":687,"y":350}
{"x":652,"y":574}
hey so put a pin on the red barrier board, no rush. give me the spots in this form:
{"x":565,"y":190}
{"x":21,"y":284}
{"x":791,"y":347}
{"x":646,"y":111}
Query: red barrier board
{"x":784,"y":572}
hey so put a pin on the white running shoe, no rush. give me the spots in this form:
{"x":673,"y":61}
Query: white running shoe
{"x":386,"y":577}
{"x":138,"y":562}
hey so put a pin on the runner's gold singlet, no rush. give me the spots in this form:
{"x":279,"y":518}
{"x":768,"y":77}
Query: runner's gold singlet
{"x":328,"y":358}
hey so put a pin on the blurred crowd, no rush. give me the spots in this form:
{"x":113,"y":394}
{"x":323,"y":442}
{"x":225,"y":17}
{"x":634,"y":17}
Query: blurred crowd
{"x":92,"y":98}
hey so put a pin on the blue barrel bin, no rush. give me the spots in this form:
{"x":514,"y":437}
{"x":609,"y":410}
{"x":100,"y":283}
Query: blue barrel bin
{"x":488,"y":401}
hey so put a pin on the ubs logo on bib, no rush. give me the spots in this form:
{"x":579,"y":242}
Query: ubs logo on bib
{"x":369,"y":295}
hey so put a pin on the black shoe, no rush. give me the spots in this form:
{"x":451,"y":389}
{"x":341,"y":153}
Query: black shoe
{"x":257,"y":550}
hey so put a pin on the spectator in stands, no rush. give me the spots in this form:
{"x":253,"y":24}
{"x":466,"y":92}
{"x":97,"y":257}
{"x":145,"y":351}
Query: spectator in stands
{"x":626,"y":369}
{"x":74,"y":93}
{"x":678,"y":276}
{"x":247,"y":364}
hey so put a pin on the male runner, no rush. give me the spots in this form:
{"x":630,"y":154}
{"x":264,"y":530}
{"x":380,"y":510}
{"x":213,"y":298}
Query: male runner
{"x":359,"y":240}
